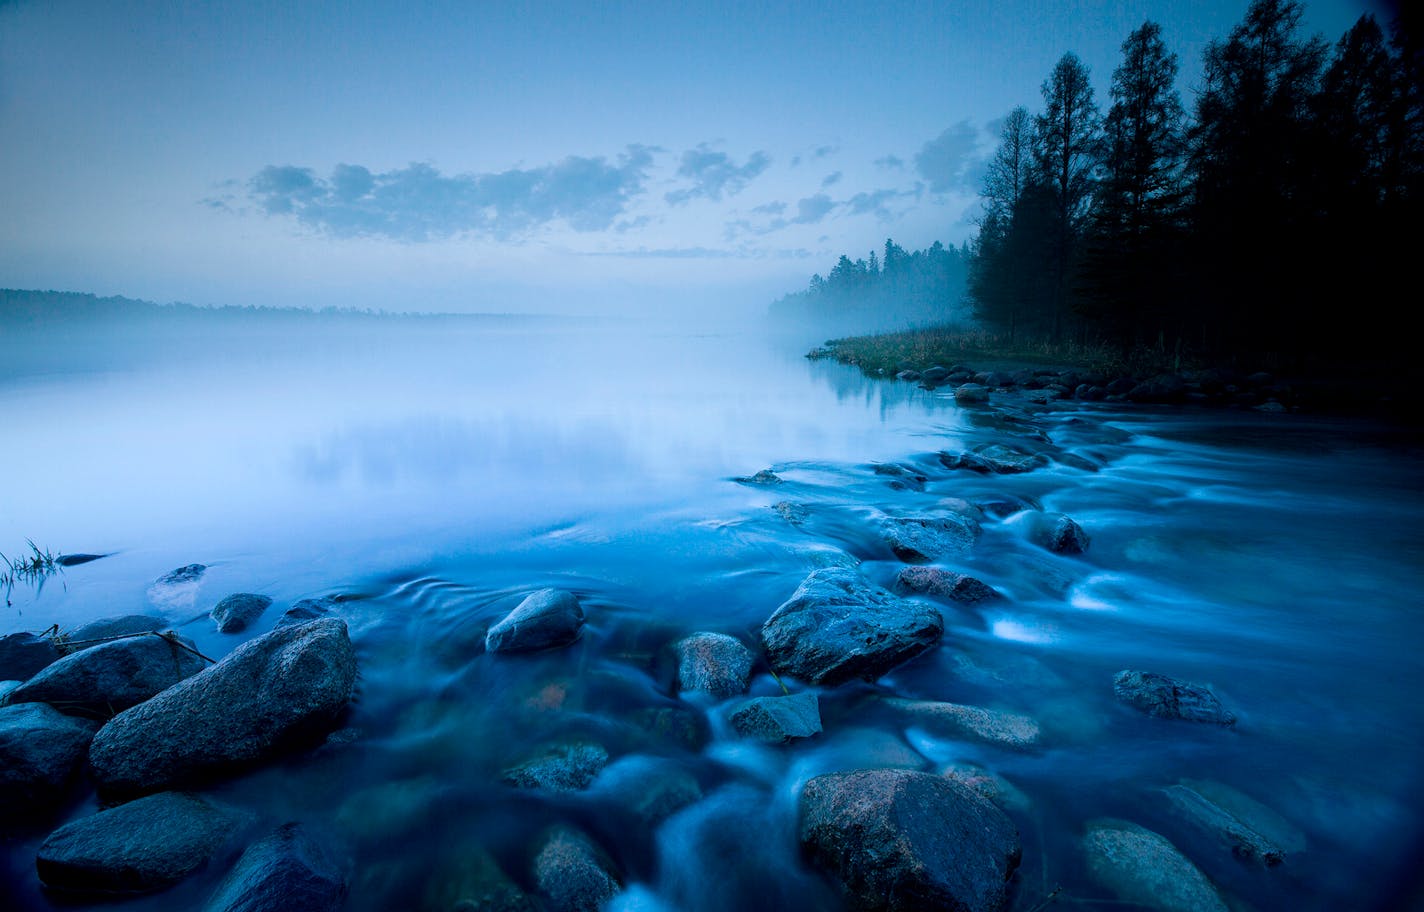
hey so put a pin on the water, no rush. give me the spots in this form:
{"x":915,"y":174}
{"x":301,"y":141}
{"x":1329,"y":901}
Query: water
{"x":433,"y":474}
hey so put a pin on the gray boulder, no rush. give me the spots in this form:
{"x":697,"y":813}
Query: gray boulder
{"x":764,"y":477}
{"x":944,"y":584}
{"x":1168,"y":698}
{"x":905,"y":840}
{"x":285,"y":871}
{"x":111,"y":677}
{"x":104,"y":629}
{"x":236,"y":613}
{"x":901,"y":478}
{"x":308,"y":609}
{"x":976,"y":723}
{"x":837,"y":627}
{"x":565,"y":768}
{"x":1142,"y":868}
{"x":1232,"y":833}
{"x":22,"y":655}
{"x":713,"y":663}
{"x":778,"y":720}
{"x":189,"y":574}
{"x":994,"y":459}
{"x":40,"y":750}
{"x":284,"y":689}
{"x":917,"y":539}
{"x":546,"y":619}
{"x":1060,"y":534}
{"x":971,"y":394}
{"x":573,"y":875}
{"x":934,"y":374}
{"x":137,"y":847}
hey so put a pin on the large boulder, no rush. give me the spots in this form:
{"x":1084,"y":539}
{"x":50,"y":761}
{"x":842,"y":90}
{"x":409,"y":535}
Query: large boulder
{"x":105,"y":629}
{"x":545,"y":619}
{"x":113,"y":676}
{"x":920,"y":539}
{"x":778,"y":720}
{"x":22,"y":655}
{"x":1143,"y":869}
{"x":287,"y":870}
{"x":40,"y":750}
{"x":1168,"y":698}
{"x":837,"y":626}
{"x":137,"y":847}
{"x":712,"y":663}
{"x":905,"y":840}
{"x":281,"y":690}
{"x":944,"y":584}
{"x":572,"y":874}
{"x":236,"y":613}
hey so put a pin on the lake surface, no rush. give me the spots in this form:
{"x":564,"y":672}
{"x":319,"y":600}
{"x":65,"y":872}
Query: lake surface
{"x":432,"y":474}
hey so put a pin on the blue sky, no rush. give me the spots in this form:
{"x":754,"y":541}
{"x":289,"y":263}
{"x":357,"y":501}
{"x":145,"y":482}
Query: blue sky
{"x":558,"y":157}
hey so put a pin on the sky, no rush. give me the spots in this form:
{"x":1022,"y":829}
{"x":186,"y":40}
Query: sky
{"x":521,"y":157}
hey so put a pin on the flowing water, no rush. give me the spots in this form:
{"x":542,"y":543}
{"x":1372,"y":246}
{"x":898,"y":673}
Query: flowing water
{"x":430,"y":474}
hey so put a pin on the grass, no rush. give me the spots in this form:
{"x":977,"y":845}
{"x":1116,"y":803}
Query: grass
{"x":32,"y":568}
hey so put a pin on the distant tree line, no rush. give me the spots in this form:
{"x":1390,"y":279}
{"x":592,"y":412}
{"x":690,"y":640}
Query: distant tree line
{"x":1279,"y":218}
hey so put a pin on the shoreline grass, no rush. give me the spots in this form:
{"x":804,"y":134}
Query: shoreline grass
{"x":885,"y":354}
{"x":32,"y":568}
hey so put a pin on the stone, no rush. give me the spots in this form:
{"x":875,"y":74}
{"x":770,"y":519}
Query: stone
{"x":974,"y":722}
{"x":777,"y":720}
{"x":904,"y":840}
{"x":994,"y":459}
{"x":288,"y":870}
{"x":110,"y":677}
{"x":307,"y":610}
{"x":563,"y":768}
{"x":22,"y":655}
{"x":764,"y":477}
{"x":138,"y":847}
{"x":1233,"y":834}
{"x":236,"y":613}
{"x":546,"y":619}
{"x":189,"y":574}
{"x":712,"y":663}
{"x":1060,"y":534}
{"x":96,"y":632}
{"x":285,"y":689}
{"x":934,"y":374}
{"x":837,"y":627}
{"x":944,"y":584}
{"x":177,"y":590}
{"x":918,"y":539}
{"x":1168,"y":698}
{"x":1162,"y":388}
{"x":794,"y":513}
{"x":573,"y":875}
{"x":901,"y":478}
{"x":649,"y":788}
{"x":908,"y":375}
{"x":1142,"y":868}
{"x":970,"y":394}
{"x":40,"y":751}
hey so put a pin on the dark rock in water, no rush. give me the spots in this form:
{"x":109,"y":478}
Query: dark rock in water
{"x":712,"y":663}
{"x":281,"y":690}
{"x":94,"y":632}
{"x":651,"y":789}
{"x":994,"y":458}
{"x":934,"y":374}
{"x":1167,"y":698}
{"x":22,"y":655}
{"x":573,"y":875}
{"x":74,"y":560}
{"x":904,"y":840}
{"x":1142,"y":868}
{"x":113,"y":676}
{"x":189,"y":574}
{"x":1234,"y":834}
{"x":1061,"y":535}
{"x":764,"y":477}
{"x":137,"y":847}
{"x":909,"y":375}
{"x":943,"y":583}
{"x":1162,"y":388}
{"x":837,"y":627}
{"x":971,"y":394}
{"x":286,"y":871}
{"x":793,"y":513}
{"x":900,"y":477}
{"x":307,"y":610}
{"x":918,"y":539}
{"x":565,"y":768}
{"x":546,"y":619}
{"x":973,"y":722}
{"x":778,"y":720}
{"x":236,"y":613}
{"x":472,"y":881}
{"x":40,"y":750}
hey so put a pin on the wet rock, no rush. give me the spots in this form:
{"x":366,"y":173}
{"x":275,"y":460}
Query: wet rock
{"x":546,"y":619}
{"x":944,"y":584}
{"x":1236,"y":836}
{"x":471,"y":881}
{"x":573,"y":875}
{"x":287,"y":870}
{"x":236,"y":613}
{"x":22,"y":655}
{"x":764,"y":477}
{"x":994,"y":458}
{"x":837,"y":627}
{"x":40,"y":751}
{"x":901,"y":478}
{"x":651,"y":789}
{"x":177,"y":590}
{"x":934,"y":374}
{"x":1060,"y":534}
{"x":991,"y":785}
{"x":794,"y":513}
{"x":96,"y":632}
{"x":189,"y":574}
{"x":308,"y":609}
{"x":1162,"y":388}
{"x":902,"y":840}
{"x":917,"y":539}
{"x":7,"y":688}
{"x":563,"y":768}
{"x":281,"y":690}
{"x":975,"y":722}
{"x":137,"y":847}
{"x":1168,"y":698}
{"x":1142,"y":868}
{"x":778,"y":720}
{"x":971,"y":394}
{"x":111,"y":677}
{"x":909,"y":375}
{"x":712,"y":663}
{"x":1252,"y":813}
{"x":392,"y":811}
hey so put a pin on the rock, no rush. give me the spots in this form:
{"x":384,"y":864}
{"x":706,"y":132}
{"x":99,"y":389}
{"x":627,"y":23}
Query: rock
{"x":970,"y":394}
{"x":564,"y":768}
{"x":189,"y":574}
{"x":177,"y":590}
{"x":1162,"y":388}
{"x":1167,"y":698}
{"x":1252,"y":813}
{"x":572,"y":874}
{"x":651,"y":789}
{"x":909,"y":375}
{"x":837,"y":627}
{"x":22,"y":655}
{"x":673,"y":725}
{"x":794,"y":513}
{"x":991,"y":785}
{"x":307,"y":610}
{"x":1142,"y":868}
{"x":471,"y":881}
{"x":901,"y":478}
{"x":546,"y":619}
{"x":40,"y":750}
{"x":994,"y":458}
{"x":102,"y":680}
{"x":904,"y":840}
{"x":764,"y":477}
{"x":917,"y":539}
{"x":7,"y":688}
{"x":943,"y":583}
{"x":990,"y":725}
{"x":137,"y":847}
{"x":280,"y":690}
{"x":96,"y":632}
{"x":934,"y":374}
{"x":712,"y":663}
{"x":236,"y":613}
{"x":1060,"y":534}
{"x":1236,"y":836}
{"x":778,"y":720}
{"x":286,"y":871}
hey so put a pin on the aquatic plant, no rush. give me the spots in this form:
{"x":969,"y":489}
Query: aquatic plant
{"x":32,"y":568}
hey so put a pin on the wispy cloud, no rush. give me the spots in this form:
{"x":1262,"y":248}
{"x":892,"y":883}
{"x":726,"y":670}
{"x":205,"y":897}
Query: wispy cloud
{"x":946,"y":161}
{"x":418,"y":203}
{"x":775,"y":207}
{"x":890,"y":163}
{"x":830,"y":180}
{"x":714,"y":174}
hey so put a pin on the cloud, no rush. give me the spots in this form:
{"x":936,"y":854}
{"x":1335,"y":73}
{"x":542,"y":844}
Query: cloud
{"x":776,"y":207}
{"x":890,"y":162}
{"x":873,"y":202}
{"x":667,"y":253}
{"x":812,"y":209}
{"x":830,"y":180}
{"x":418,"y":203}
{"x":715,"y":173}
{"x":945,"y":160}
{"x":823,"y":151}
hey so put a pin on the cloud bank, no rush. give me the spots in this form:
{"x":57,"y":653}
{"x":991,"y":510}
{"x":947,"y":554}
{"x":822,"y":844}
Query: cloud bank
{"x":714,"y":174}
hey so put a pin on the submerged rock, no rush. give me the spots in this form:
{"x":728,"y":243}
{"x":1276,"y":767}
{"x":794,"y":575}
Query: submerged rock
{"x":307,"y":610}
{"x":989,"y":784}
{"x":651,"y":789}
{"x":994,"y":458}
{"x":943,"y":583}
{"x":794,"y":513}
{"x":284,"y":689}
{"x":573,"y":875}
{"x":1060,"y":534}
{"x":1142,"y":868}
{"x":837,"y":626}
{"x":565,"y":768}
{"x":137,"y":847}
{"x":778,"y":720}
{"x":974,"y":722}
{"x":96,"y":632}
{"x":1235,"y":835}
{"x":1252,"y":813}
{"x":189,"y":574}
{"x":22,"y":655}
{"x":286,"y":871}
{"x":1168,"y":698}
{"x":901,"y":478}
{"x":546,"y":619}
{"x":904,"y":840}
{"x":764,"y":477}
{"x":113,"y":676}
{"x":40,"y":751}
{"x":236,"y":613}
{"x":712,"y":663}
{"x":178,"y":589}
{"x":971,"y":394}
{"x":918,"y":539}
